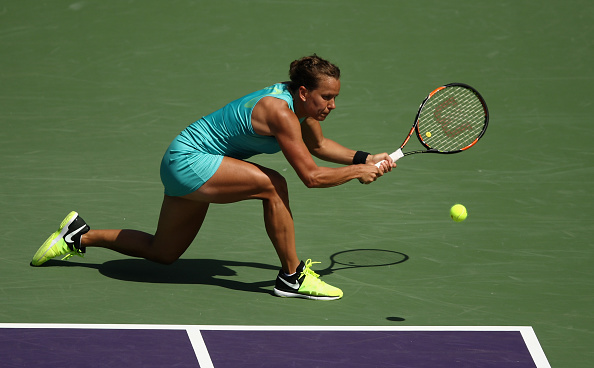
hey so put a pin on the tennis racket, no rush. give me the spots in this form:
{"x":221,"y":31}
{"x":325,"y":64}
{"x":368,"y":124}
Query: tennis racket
{"x":450,"y":120}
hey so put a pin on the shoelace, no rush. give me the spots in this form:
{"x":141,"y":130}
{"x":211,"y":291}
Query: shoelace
{"x":307,"y":270}
{"x":77,"y":252}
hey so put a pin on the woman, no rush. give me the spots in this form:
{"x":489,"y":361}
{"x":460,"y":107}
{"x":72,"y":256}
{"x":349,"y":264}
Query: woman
{"x":206,"y":164}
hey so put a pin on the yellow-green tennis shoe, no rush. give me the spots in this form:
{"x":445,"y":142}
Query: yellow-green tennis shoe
{"x":305,"y":284}
{"x":64,"y":242}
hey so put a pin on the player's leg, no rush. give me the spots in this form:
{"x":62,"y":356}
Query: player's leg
{"x":237,"y":180}
{"x":181,"y":217}
{"x":179,"y":222}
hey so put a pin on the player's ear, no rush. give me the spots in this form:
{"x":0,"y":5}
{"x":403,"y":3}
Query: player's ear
{"x":303,"y":93}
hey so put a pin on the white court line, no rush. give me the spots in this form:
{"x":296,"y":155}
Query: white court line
{"x":199,"y":346}
{"x":203,"y":356}
{"x":535,"y":349}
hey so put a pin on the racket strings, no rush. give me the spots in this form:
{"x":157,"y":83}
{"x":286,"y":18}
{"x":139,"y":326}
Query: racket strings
{"x":452,"y":119}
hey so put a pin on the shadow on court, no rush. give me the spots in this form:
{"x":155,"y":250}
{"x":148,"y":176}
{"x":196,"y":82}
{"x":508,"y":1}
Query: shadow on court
{"x":216,"y":272}
{"x":362,"y":258}
{"x":183,"y":271}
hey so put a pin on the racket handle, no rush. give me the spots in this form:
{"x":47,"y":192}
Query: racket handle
{"x":396,"y":155}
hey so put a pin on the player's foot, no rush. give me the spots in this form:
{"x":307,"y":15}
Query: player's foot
{"x":305,"y":284}
{"x":64,"y":242}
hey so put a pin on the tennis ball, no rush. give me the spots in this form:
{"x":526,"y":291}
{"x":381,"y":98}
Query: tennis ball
{"x":458,"y":213}
{"x":428,"y":134}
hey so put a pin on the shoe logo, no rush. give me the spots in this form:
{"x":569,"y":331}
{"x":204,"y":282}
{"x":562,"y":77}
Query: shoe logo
{"x":290,"y":284}
{"x":68,"y":237}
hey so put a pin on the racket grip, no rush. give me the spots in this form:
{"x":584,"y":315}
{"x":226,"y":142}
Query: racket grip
{"x":396,"y":155}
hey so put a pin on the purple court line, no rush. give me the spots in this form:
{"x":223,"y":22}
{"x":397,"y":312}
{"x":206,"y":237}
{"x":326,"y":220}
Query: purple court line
{"x":132,"y":346}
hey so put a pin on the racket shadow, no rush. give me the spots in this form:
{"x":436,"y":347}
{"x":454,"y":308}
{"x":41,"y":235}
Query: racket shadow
{"x":363,"y":258}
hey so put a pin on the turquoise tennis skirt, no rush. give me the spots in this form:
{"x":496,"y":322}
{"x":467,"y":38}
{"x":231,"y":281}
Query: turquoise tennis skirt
{"x":184,"y":168}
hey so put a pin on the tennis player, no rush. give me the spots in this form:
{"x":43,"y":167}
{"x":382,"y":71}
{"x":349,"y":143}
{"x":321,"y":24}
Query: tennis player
{"x":206,"y":163}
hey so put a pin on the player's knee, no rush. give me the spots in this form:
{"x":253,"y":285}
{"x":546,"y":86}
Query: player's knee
{"x":164,"y":255}
{"x":278,"y":186}
{"x":165,"y":259}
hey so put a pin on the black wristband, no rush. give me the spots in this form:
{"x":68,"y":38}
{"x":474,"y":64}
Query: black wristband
{"x":360,"y":157}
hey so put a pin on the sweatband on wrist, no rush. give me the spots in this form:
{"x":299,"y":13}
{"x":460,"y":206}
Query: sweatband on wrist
{"x":360,"y":157}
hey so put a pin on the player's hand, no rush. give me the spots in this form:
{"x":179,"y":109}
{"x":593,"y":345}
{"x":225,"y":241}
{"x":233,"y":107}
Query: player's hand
{"x":370,"y":173}
{"x":387,"y":164}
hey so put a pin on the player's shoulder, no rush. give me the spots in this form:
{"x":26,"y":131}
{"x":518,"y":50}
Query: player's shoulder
{"x":272,"y":115}
{"x":274,"y":107}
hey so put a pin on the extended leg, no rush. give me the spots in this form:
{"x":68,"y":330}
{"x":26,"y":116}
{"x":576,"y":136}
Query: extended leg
{"x":179,"y":222}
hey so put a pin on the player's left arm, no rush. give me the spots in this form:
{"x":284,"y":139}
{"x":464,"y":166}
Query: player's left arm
{"x":328,"y":150}
{"x":322,"y":147}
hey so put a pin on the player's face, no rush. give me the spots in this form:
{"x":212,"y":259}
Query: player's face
{"x":322,"y":100}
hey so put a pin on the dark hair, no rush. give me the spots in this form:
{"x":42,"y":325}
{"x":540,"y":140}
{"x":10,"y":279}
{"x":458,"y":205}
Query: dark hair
{"x":308,"y":70}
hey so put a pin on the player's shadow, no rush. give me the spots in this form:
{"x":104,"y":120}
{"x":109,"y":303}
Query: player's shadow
{"x":222,"y":272}
{"x":183,"y":271}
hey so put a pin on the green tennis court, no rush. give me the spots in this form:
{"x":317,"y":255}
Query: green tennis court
{"x":92,"y":92}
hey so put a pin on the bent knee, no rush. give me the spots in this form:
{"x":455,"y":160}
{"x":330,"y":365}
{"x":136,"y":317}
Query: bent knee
{"x":163,"y":259}
{"x":165,"y":255}
{"x":276,"y":185}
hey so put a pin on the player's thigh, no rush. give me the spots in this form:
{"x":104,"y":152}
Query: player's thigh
{"x":237,"y":180}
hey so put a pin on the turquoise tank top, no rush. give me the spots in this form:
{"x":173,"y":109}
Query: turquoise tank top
{"x":229,"y":131}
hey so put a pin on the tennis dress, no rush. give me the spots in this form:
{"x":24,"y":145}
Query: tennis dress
{"x":197,"y":152}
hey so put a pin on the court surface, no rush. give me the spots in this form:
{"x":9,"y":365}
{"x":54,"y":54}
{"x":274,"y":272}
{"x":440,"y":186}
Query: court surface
{"x":93,"y":91}
{"x":249,"y":346}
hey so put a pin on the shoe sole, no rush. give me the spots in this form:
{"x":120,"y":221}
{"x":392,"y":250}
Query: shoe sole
{"x":56,"y":237}
{"x":288,"y":294}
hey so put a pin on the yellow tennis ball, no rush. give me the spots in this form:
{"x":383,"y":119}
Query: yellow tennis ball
{"x":458,"y":213}
{"x":428,"y":134}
